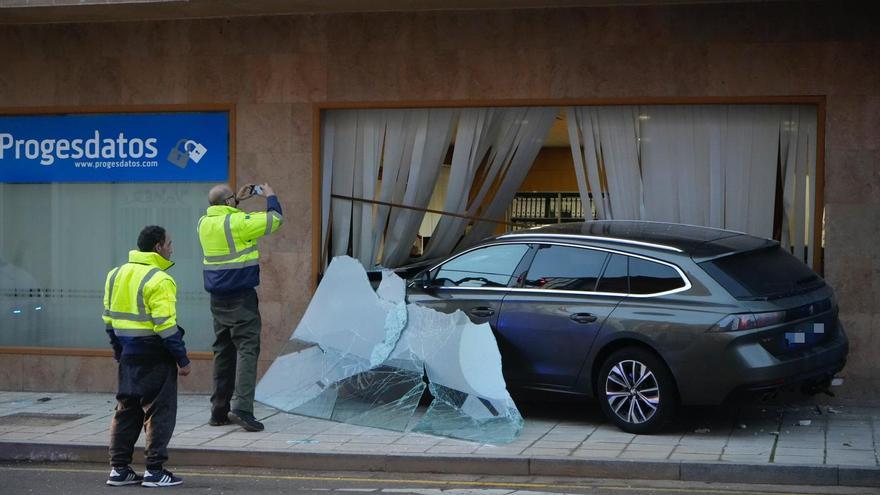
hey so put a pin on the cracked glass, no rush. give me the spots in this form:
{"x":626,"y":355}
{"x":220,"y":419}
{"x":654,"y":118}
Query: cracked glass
{"x":367,"y":358}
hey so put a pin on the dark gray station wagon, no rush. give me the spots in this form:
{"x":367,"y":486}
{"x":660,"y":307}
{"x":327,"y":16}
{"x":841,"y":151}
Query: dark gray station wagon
{"x":643,"y":316}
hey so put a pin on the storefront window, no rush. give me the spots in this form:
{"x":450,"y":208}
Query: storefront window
{"x":58,"y":241}
{"x":75,"y":192}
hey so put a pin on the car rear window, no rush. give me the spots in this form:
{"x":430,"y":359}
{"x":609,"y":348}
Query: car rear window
{"x":763,"y":274}
{"x":648,"y":277}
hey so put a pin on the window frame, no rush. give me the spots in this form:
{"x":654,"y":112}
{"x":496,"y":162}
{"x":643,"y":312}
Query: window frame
{"x":529,"y":256}
{"x":819,"y":101}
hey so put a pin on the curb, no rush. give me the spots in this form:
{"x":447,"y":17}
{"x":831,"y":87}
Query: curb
{"x":820,"y":475}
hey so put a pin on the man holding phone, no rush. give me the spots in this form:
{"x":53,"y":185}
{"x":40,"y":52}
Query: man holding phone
{"x":229,"y":237}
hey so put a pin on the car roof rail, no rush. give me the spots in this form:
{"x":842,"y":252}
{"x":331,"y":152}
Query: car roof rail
{"x":595,"y":238}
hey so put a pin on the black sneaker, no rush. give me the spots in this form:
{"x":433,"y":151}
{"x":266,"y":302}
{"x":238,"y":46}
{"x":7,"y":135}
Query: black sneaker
{"x":160,"y":478}
{"x":245,"y":420}
{"x":217,"y":421}
{"x":121,"y":476}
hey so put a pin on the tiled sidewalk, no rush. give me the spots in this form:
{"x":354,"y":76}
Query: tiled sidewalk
{"x":844,"y":435}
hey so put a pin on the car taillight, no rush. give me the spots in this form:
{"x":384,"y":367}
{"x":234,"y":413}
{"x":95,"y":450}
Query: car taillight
{"x":748,"y":321}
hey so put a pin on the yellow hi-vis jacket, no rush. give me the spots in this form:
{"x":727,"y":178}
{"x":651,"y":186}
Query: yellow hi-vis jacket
{"x":229,"y":244}
{"x":140,"y":298}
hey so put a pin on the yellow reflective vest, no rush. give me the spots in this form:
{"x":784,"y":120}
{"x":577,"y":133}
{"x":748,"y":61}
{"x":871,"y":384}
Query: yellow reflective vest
{"x":229,"y":244}
{"x":140,"y":299}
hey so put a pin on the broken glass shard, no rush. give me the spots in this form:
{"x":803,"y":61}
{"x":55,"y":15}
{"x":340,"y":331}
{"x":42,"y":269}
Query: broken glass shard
{"x":463,"y":367}
{"x":361,"y":356}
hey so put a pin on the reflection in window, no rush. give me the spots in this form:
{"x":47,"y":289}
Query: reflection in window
{"x":486,"y":267}
{"x":647,"y":277}
{"x":615,"y":277}
{"x":565,"y":268}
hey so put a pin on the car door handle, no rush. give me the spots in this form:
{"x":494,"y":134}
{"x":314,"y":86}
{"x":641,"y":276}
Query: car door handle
{"x":481,"y":312}
{"x":584,"y":317}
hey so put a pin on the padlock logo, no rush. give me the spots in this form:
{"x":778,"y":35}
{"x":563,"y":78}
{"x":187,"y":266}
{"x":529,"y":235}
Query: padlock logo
{"x":178,"y":154}
{"x":186,"y":150}
{"x":196,"y":150}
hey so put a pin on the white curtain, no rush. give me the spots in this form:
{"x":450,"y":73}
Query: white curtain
{"x":797,"y":159}
{"x":328,"y":142}
{"x":522,"y":135}
{"x":679,"y":161}
{"x":749,"y":157}
{"x":399,"y":139}
{"x":370,"y":140}
{"x":433,"y":132}
{"x":341,"y":139}
{"x":712,"y":165}
{"x":409,"y":145}
{"x":477,"y":129}
{"x":604,"y":143}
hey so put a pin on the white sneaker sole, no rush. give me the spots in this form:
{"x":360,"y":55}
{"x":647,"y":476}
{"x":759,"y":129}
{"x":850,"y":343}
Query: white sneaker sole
{"x":156,"y":484}
{"x":123,"y":483}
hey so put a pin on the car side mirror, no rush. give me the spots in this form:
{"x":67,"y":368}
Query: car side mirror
{"x":424,"y":280}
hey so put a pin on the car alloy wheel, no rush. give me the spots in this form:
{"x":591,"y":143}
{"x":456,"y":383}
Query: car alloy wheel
{"x":632,"y":391}
{"x":640,"y":395}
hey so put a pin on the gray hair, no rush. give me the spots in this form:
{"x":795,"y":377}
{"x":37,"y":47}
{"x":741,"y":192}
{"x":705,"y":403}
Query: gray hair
{"x":219,"y":194}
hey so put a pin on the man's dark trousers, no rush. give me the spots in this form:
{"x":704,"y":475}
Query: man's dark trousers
{"x":146,"y":399}
{"x":236,"y":350}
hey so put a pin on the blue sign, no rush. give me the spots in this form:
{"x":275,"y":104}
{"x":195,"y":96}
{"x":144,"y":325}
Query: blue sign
{"x":123,"y":147}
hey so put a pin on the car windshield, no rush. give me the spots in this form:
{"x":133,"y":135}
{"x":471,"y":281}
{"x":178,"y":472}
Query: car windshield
{"x":763,"y":274}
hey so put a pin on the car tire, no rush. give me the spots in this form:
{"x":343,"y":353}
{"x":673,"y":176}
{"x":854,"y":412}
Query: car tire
{"x":636,"y":391}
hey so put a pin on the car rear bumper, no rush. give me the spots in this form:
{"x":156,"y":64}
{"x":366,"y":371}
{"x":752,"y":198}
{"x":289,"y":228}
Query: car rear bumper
{"x":745,"y":366}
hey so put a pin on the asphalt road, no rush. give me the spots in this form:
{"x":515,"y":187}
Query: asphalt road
{"x":67,"y":478}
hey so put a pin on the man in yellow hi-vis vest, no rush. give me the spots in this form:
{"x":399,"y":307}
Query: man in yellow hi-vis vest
{"x":141,"y":320}
{"x":232,"y":270}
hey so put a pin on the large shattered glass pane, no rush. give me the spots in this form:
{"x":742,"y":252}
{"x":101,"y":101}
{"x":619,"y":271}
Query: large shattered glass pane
{"x":463,"y":366}
{"x":384,"y":397}
{"x":360,"y":357}
{"x":335,"y":364}
{"x":456,"y":414}
{"x":345,"y":313}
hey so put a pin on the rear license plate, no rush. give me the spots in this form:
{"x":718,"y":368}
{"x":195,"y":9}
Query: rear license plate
{"x":806,"y":334}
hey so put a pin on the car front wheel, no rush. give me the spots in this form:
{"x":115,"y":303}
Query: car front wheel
{"x":636,"y":391}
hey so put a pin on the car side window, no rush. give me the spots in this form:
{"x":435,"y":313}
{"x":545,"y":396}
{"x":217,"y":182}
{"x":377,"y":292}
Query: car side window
{"x":491,"y":266}
{"x":648,"y":277}
{"x":615,"y":279}
{"x":565,"y":268}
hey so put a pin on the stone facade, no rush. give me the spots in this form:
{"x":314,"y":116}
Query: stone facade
{"x":274,"y":69}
